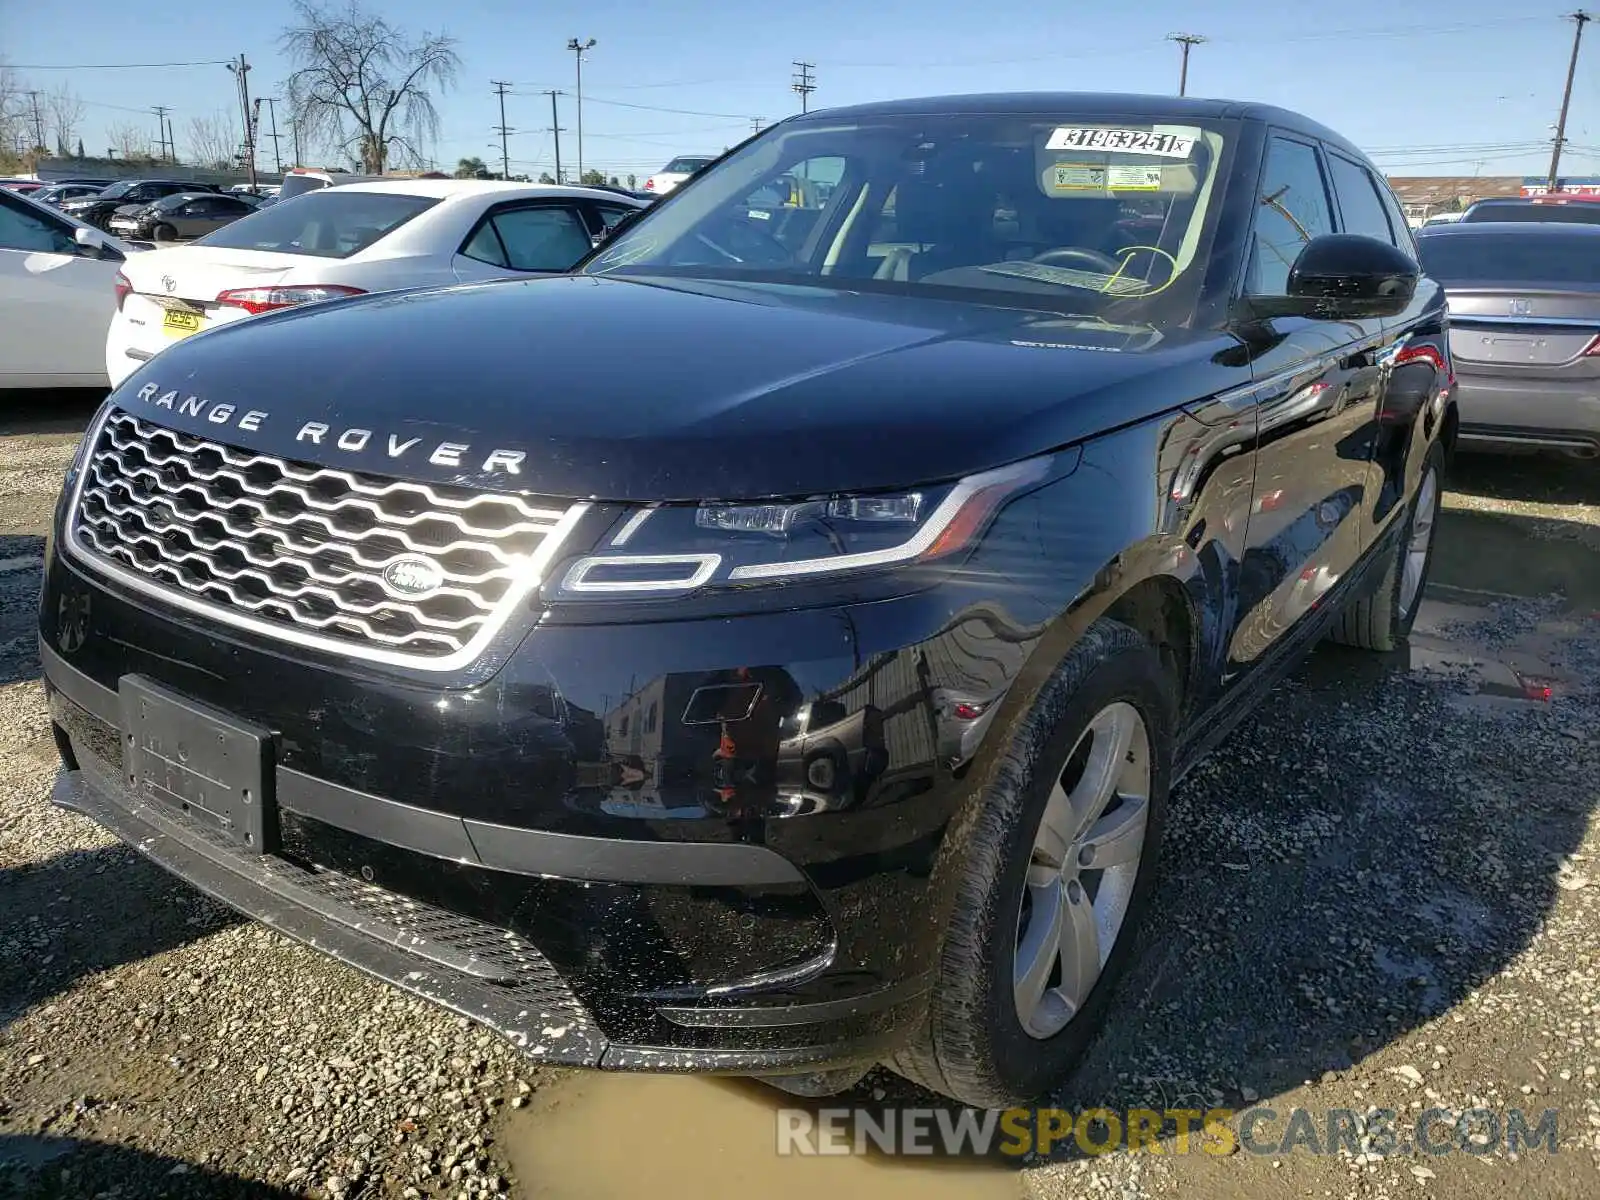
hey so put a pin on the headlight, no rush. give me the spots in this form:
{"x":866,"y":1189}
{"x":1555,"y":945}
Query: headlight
{"x":675,"y":549}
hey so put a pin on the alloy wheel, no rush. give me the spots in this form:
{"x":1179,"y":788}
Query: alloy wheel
{"x":1082,"y":870}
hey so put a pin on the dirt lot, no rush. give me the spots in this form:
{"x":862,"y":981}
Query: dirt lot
{"x":1384,"y":891}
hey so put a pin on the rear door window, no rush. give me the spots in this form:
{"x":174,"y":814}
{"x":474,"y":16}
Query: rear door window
{"x":331,"y":223}
{"x":1360,"y":208}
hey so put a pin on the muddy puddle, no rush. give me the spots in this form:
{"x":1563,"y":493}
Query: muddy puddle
{"x":598,"y":1136}
{"x":1456,"y":637}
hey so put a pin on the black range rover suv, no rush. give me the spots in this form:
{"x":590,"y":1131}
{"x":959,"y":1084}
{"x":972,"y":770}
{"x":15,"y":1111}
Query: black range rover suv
{"x":769,"y":649}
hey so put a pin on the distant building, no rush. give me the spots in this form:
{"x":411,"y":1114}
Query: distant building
{"x":1424,"y":195}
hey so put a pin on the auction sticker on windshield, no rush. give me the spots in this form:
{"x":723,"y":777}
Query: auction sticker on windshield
{"x":1072,"y":177}
{"x":1122,"y":141}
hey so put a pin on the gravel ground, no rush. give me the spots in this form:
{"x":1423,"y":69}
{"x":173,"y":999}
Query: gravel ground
{"x":1385,"y":890}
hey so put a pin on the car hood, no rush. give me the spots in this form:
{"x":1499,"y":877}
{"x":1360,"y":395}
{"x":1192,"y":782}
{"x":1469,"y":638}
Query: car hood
{"x":655,"y":389}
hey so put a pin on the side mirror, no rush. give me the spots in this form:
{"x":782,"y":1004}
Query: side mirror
{"x":90,"y":240}
{"x":1345,"y":277}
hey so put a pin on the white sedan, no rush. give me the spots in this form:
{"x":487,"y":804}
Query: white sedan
{"x":56,"y":296}
{"x":342,"y":241}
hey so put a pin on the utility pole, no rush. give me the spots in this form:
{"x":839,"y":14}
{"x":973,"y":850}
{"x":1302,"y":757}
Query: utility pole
{"x":240,"y":69}
{"x":803,"y":83}
{"x":272,"y":115}
{"x":501,"y":87}
{"x":294,"y":134}
{"x":755,"y":124}
{"x":171,"y":144}
{"x":555,"y":130}
{"x":1188,"y":41}
{"x":579,"y":48}
{"x":1579,"y":19}
{"x":38,"y":122}
{"x":168,"y":154}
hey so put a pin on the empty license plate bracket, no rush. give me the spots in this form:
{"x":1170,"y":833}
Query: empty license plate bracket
{"x":188,"y":756}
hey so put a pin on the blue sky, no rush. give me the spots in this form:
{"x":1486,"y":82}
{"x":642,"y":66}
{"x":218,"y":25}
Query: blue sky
{"x":1428,"y":87}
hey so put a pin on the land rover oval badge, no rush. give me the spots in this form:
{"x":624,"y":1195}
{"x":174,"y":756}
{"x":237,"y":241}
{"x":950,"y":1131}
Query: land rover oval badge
{"x":412,"y":577}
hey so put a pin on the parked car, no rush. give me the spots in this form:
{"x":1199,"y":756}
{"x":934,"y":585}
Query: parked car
{"x":56,"y":293}
{"x":363,"y":237}
{"x":97,"y":210}
{"x":57,"y":194}
{"x":1441,"y":218}
{"x":489,"y":612}
{"x":297,"y":181}
{"x":180,"y":215}
{"x":20,"y":186}
{"x":677,"y":171}
{"x":1524,"y":332}
{"x":1534,"y":208}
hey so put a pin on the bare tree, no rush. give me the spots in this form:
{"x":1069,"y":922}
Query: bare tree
{"x":15,"y":126}
{"x":213,"y":141}
{"x":63,"y":113}
{"x":365,"y":84}
{"x":130,"y":141}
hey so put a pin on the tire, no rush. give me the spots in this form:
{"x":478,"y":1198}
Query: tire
{"x":1383,"y":620}
{"x":164,"y":233}
{"x":974,"y":1046}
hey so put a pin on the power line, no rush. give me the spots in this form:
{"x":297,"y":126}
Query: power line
{"x":220,"y":62}
{"x":804,"y":83}
{"x":500,"y":88}
{"x":682,"y":112}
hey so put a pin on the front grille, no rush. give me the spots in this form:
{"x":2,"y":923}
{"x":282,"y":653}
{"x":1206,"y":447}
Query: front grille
{"x":301,"y":551}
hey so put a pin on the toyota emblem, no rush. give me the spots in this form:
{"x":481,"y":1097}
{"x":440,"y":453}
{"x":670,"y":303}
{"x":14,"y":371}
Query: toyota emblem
{"x":1522,"y":308}
{"x":168,"y":282}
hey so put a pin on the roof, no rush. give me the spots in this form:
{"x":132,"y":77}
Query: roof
{"x":1443,"y":189}
{"x":1088,"y":104}
{"x":1521,"y":228}
{"x":444,"y":189}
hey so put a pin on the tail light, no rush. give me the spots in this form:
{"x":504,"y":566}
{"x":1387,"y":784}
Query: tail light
{"x":122,"y":287}
{"x":1592,"y":350}
{"x":650,"y":184}
{"x":264,"y":299}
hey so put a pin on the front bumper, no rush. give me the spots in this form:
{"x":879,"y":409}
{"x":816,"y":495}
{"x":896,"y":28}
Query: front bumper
{"x":703,"y":897}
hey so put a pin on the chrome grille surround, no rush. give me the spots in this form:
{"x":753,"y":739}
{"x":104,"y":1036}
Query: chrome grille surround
{"x":298,"y":552}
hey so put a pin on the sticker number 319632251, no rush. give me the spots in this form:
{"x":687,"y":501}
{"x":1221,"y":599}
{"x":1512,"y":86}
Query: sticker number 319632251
{"x":1125,"y":141}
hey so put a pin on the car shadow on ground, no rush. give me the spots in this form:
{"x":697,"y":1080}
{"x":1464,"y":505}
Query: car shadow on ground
{"x":67,"y":1168}
{"x":1378,"y":840}
{"x":21,"y":558}
{"x":1547,"y":478}
{"x":83,"y":912}
{"x":47,"y":410}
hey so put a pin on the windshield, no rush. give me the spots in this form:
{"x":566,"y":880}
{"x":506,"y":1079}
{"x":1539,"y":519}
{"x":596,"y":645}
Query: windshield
{"x":118,"y":189}
{"x":1101,"y":217}
{"x":330,"y":223}
{"x":685,"y":166}
{"x":1512,"y":257}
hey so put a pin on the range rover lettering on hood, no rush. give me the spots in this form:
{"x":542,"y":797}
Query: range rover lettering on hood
{"x":320,"y":433}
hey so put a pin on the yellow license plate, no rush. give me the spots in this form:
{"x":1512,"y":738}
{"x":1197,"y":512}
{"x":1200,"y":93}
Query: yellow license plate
{"x":180,"y":324}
